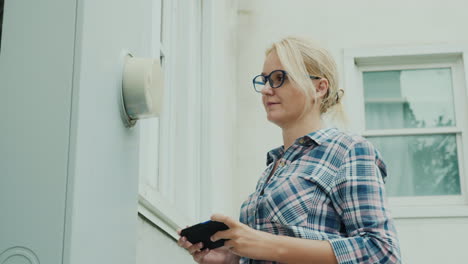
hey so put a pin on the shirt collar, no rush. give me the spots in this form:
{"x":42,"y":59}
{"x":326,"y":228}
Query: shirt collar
{"x":274,"y":154}
{"x":321,"y":135}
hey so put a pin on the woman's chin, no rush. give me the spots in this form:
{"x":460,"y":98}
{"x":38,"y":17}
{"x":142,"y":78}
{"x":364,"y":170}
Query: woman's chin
{"x":275,"y":119}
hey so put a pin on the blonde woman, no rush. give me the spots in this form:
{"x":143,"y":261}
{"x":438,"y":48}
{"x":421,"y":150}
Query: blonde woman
{"x":321,"y":198}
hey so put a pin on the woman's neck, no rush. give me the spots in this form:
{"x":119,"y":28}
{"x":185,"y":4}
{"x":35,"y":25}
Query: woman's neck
{"x":300,"y":128}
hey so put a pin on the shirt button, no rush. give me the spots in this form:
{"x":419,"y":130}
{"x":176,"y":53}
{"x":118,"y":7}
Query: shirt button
{"x":281,"y":164}
{"x":301,"y":141}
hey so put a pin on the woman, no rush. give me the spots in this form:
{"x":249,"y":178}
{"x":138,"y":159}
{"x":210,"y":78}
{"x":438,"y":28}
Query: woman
{"x":321,"y":199}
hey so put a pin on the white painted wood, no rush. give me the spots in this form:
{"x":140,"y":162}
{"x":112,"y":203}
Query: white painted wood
{"x":192,"y":130}
{"x":448,"y":63}
{"x":386,"y":100}
{"x":461,"y":98}
{"x":180,"y":131}
{"x":438,"y":200}
{"x":163,"y":216}
{"x":219,"y":70}
{"x":151,"y":184}
{"x":102,"y":193}
{"x":203,"y":150}
{"x":461,"y":117}
{"x":356,"y":106}
{"x":445,"y":211}
{"x":36,"y":74}
{"x":149,"y":128}
{"x":404,"y":54}
{"x":167,"y":123}
{"x":412,"y":131}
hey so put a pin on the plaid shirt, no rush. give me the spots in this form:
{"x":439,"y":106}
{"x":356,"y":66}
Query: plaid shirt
{"x":328,"y":185}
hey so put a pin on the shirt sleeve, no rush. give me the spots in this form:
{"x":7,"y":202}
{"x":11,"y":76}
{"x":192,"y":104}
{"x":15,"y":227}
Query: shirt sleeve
{"x":358,"y":196}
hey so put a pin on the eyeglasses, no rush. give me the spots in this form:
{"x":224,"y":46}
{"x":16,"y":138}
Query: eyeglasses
{"x":276,"y":78}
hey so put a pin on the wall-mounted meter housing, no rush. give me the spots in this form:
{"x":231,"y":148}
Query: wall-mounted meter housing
{"x":142,"y":89}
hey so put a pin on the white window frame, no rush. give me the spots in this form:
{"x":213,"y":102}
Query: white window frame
{"x":162,"y":203}
{"x":356,"y":61}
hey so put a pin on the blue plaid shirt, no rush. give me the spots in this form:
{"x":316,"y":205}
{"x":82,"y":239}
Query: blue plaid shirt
{"x":328,"y":185}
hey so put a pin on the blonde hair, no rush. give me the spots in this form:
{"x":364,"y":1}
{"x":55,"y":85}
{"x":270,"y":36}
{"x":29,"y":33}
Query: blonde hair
{"x":300,"y":58}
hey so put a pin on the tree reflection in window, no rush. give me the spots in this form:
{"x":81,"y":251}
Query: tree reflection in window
{"x":418,"y":99}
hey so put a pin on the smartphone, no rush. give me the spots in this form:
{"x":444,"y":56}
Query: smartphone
{"x":202,"y":233}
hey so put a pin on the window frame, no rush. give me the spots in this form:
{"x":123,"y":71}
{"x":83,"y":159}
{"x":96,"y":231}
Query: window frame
{"x":161,"y":204}
{"x":358,"y":60}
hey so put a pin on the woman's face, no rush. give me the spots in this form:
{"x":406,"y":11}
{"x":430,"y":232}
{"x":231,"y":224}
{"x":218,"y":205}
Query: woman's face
{"x":284,"y":104}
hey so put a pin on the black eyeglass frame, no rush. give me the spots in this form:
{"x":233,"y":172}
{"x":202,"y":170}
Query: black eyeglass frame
{"x":267,"y":78}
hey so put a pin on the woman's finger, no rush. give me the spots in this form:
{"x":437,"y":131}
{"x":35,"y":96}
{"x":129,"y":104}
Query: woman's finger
{"x":181,"y":241}
{"x":224,"y":219}
{"x":185,"y":243}
{"x":194,"y":248}
{"x":180,"y":230}
{"x":229,"y":244}
{"x":198,"y":256}
{"x":221,"y":235}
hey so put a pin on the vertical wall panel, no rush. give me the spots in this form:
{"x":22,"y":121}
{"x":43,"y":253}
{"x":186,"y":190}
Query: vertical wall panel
{"x":36,"y":64}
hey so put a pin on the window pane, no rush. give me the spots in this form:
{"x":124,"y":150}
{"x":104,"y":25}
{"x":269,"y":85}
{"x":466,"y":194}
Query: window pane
{"x":419,"y":98}
{"x":420,"y":165}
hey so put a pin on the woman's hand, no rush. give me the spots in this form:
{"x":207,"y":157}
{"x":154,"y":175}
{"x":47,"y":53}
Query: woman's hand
{"x":243,"y":240}
{"x":207,"y":256}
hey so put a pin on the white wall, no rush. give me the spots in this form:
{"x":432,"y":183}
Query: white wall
{"x":101,"y":220}
{"x":338,"y":25}
{"x":156,"y":247}
{"x":36,"y":71}
{"x":69,"y":166}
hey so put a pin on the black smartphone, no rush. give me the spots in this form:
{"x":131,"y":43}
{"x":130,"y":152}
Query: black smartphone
{"x":202,"y":233}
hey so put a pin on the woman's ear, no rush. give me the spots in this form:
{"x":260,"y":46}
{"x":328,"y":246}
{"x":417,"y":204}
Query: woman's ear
{"x":322,"y":88}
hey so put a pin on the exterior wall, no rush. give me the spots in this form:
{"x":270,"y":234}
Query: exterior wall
{"x":69,"y":167}
{"x":36,"y":71}
{"x":338,"y":25}
{"x":433,"y":240}
{"x":102,"y":191}
{"x":154,"y":246}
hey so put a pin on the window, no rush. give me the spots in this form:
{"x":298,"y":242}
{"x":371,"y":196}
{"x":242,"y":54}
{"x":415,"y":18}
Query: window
{"x":170,"y":147}
{"x":413,"y":109}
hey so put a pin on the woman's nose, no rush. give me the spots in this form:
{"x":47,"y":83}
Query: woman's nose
{"x":267,"y":90}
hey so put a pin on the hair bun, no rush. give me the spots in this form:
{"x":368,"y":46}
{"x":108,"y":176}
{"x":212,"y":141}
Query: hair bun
{"x":339,"y":95}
